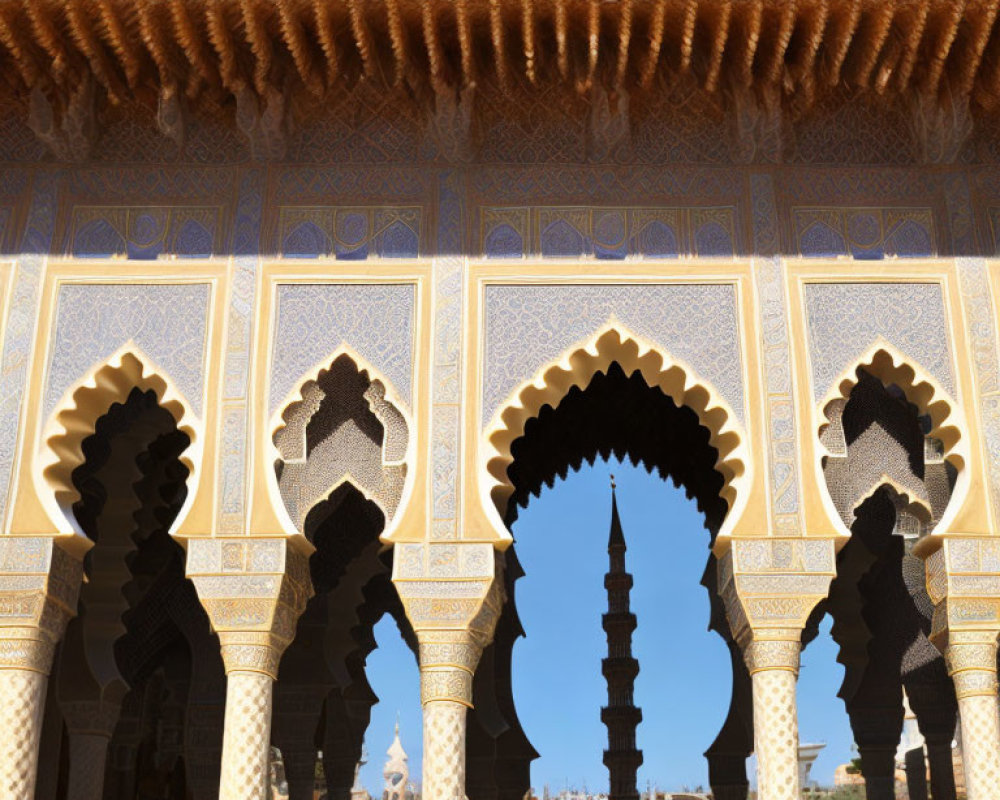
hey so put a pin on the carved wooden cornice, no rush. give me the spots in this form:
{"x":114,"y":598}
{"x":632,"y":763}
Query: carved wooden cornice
{"x":270,"y":59}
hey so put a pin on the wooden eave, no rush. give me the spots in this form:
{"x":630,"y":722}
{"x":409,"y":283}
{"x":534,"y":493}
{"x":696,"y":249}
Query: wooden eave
{"x":789,"y":52}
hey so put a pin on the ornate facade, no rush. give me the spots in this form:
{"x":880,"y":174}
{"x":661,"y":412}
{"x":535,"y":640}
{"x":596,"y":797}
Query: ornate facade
{"x":302,"y":300}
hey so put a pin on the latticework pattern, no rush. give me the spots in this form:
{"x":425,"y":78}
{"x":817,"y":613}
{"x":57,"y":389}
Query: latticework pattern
{"x":22,"y":700}
{"x":247,"y":741}
{"x":776,"y":734}
{"x":980,"y":744}
{"x":444,"y":750}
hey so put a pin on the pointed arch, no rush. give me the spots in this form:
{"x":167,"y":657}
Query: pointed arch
{"x":75,"y":418}
{"x":891,"y":367}
{"x":576,"y":367}
{"x":287,"y":443}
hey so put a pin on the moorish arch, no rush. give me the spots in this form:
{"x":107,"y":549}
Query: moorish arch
{"x":576,"y":368}
{"x":74,"y":420}
{"x":892,"y":460}
{"x":343,"y":426}
{"x":123,"y":466}
{"x":340,"y":471}
{"x":614,"y":396}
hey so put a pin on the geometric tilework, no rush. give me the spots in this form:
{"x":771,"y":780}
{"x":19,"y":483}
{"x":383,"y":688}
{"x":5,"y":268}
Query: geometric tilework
{"x":145,"y":232}
{"x":349,"y":233}
{"x":846,"y":319}
{"x":607,"y":233}
{"x":313,"y":319}
{"x":864,"y":232}
{"x":530,"y":325}
{"x":168,"y":323}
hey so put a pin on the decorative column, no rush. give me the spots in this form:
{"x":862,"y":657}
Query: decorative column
{"x":961,"y":574}
{"x":448,"y":661}
{"x":38,"y":595}
{"x":774,"y":669}
{"x":770,"y":587}
{"x":90,"y":726}
{"x":254,"y":590}
{"x":453,"y":594}
{"x":972,"y":663}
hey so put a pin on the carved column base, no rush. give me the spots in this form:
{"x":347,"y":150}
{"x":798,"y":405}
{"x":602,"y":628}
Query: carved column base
{"x":773,"y":666}
{"x":972,"y":663}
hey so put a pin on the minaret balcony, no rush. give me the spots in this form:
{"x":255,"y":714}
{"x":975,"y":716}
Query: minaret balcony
{"x":618,"y":581}
{"x":626,"y":716}
{"x":620,"y":670}
{"x":624,"y":622}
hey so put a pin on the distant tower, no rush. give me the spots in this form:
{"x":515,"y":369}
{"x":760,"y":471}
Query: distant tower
{"x":620,"y":669}
{"x":396,"y":771}
{"x":358,"y":791}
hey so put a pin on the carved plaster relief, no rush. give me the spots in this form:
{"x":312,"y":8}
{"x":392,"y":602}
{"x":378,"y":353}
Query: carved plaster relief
{"x":529,"y":325}
{"x":167,"y":322}
{"x":846,"y":319}
{"x":349,"y":233}
{"x":146,"y":232}
{"x":608,"y":233}
{"x":314,"y":319}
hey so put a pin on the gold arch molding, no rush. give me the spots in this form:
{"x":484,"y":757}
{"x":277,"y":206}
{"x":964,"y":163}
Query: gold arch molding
{"x":615,"y":344}
{"x":389,"y":396}
{"x":75,"y":418}
{"x":892,"y":367}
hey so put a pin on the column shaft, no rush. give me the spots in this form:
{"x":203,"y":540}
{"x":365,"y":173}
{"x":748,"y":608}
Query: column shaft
{"x":444,"y":750}
{"x":916,"y":774}
{"x":939,"y":758}
{"x":973,"y":667}
{"x":773,"y":666}
{"x":87,"y":760}
{"x":246,"y":743}
{"x":22,"y":703}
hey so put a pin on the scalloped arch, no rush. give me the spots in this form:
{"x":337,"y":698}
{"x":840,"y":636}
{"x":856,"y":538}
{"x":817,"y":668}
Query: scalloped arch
{"x":75,"y":418}
{"x":384,"y":403}
{"x":892,"y":367}
{"x":889,"y":365}
{"x":615,"y":344}
{"x":901,"y":495}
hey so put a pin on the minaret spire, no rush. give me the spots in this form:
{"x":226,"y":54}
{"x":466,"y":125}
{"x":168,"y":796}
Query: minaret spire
{"x":621,"y":716}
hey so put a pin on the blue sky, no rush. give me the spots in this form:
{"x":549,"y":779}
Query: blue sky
{"x":684,"y":683}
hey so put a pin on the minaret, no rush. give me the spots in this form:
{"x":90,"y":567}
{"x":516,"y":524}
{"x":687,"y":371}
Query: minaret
{"x":620,"y":669}
{"x":396,"y":771}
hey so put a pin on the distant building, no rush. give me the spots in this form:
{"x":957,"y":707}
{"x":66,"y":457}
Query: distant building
{"x":397,"y":772}
{"x":358,"y":791}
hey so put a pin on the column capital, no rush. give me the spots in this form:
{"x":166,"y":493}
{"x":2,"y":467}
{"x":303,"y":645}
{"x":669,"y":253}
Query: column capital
{"x":448,"y":661}
{"x":771,"y":585}
{"x":40,"y":579}
{"x":963,"y":582}
{"x":781,"y":652}
{"x":253,"y":589}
